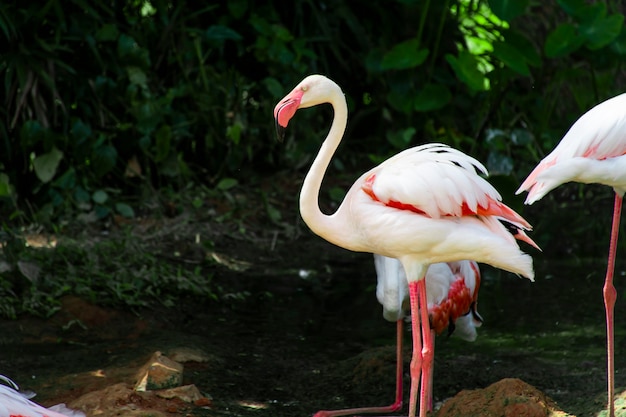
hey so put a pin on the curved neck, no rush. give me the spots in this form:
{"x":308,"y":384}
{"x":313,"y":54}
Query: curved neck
{"x":326,"y":226}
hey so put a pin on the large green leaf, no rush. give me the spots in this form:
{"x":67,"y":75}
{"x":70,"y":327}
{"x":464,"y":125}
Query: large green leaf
{"x":6,"y":24}
{"x":125,"y":210}
{"x":131,"y":53}
{"x":432,"y":97}
{"x":221,"y":33}
{"x":237,"y":8}
{"x":591,"y":12}
{"x":404,"y":55}
{"x":67,"y":180}
{"x":82,"y":197}
{"x":511,"y":57}
{"x":46,"y":165}
{"x":400,"y":139}
{"x":523,"y":46}
{"x":227,"y":184}
{"x":234,"y":131}
{"x":163,"y":138}
{"x":602,"y":30}
{"x":619,"y":44}
{"x":107,"y":32}
{"x":100,"y":196}
{"x":31,"y":133}
{"x":508,"y":9}
{"x":465,"y":67}
{"x":5,"y":185}
{"x":562,"y":41}
{"x":572,"y":7}
{"x":137,"y":76}
{"x":400,"y":100}
{"x":80,"y":131}
{"x":274,"y":87}
{"x":103,"y":159}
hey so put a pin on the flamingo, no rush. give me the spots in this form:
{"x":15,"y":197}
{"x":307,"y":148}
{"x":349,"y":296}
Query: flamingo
{"x":424,"y":205}
{"x":592,"y":151}
{"x":452,"y":290}
{"x":16,"y":404}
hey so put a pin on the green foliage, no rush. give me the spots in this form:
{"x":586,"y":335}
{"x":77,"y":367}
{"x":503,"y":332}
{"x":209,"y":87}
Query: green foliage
{"x":508,"y":9}
{"x":108,"y":101}
{"x":130,"y":96}
{"x":123,"y":270}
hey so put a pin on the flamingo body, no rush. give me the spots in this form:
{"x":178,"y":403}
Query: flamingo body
{"x":592,"y":151}
{"x":15,"y":404}
{"x":425,"y":205}
{"x":452,"y":303}
{"x":452,"y":294}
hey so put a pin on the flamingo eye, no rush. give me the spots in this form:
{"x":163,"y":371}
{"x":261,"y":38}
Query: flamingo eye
{"x":305,"y":87}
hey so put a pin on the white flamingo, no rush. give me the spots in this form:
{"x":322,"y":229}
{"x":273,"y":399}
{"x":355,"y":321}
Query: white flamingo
{"x":452,"y":290}
{"x":592,"y":151}
{"x":16,"y":404}
{"x":424,"y":205}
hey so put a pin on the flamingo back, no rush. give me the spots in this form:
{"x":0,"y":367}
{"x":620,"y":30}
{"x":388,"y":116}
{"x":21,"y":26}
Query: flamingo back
{"x":436,"y":180}
{"x":598,"y":135}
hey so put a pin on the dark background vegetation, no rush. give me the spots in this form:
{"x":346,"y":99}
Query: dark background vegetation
{"x":126,"y":109}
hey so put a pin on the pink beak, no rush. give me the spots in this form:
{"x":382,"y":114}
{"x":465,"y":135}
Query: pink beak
{"x":284,"y":111}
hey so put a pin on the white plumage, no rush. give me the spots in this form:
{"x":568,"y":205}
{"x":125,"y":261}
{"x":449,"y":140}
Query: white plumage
{"x":423,"y":206}
{"x":401,"y":178}
{"x":15,"y":404}
{"x":592,"y":151}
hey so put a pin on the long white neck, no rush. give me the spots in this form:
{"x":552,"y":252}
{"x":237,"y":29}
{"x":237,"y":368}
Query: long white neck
{"x":327,"y":226}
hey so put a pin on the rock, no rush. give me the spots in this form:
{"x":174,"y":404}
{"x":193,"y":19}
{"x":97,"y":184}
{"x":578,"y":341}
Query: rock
{"x":186,"y":393}
{"x":159,"y":372}
{"x":506,"y":398}
{"x":118,"y":400}
{"x":186,"y":354}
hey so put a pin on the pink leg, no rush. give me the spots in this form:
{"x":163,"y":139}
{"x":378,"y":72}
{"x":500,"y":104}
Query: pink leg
{"x":422,"y":361}
{"x":397,"y":405}
{"x":610,"y":295}
{"x":430,"y":371}
{"x":427,"y":352}
{"x":416,"y":358}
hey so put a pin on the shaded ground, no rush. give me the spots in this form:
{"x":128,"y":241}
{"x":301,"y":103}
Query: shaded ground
{"x":298,"y":329}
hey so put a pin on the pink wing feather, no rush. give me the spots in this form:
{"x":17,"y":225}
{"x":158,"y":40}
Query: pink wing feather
{"x":437,"y":181}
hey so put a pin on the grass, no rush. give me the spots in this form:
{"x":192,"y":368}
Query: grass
{"x":158,"y":257}
{"x":121,"y":269}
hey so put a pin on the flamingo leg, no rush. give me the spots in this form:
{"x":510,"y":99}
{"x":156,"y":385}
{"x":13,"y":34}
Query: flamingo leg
{"x":416,"y":358}
{"x":610,"y":295}
{"x":427,"y":352}
{"x":422,"y":360}
{"x":397,"y":404}
{"x":430,"y":371}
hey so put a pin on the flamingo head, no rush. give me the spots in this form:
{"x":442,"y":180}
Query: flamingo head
{"x":313,"y":90}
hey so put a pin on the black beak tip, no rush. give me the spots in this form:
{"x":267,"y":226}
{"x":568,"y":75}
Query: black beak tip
{"x":280,"y":132}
